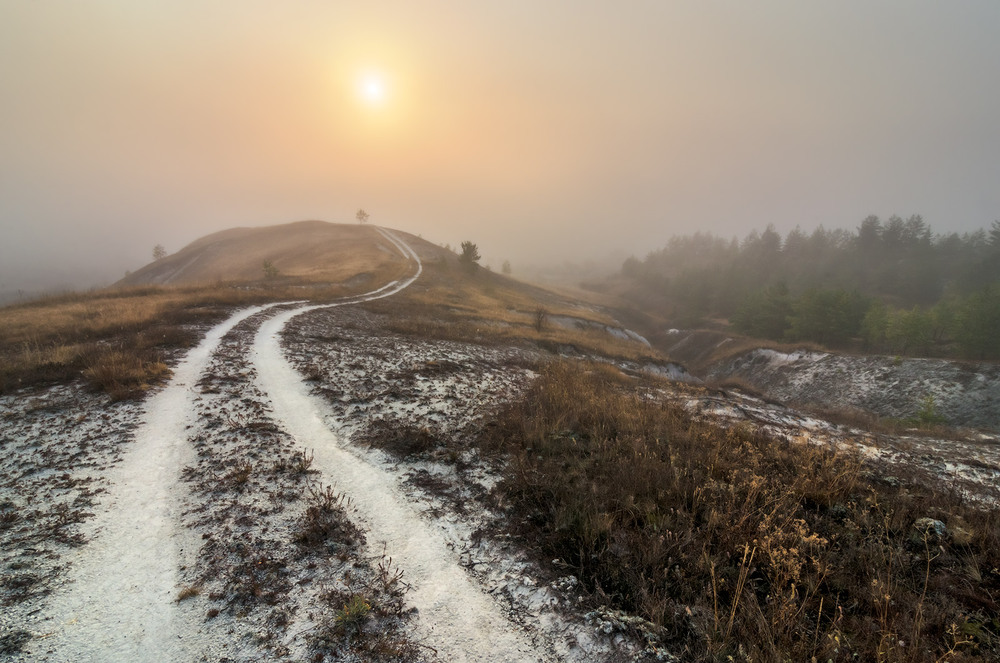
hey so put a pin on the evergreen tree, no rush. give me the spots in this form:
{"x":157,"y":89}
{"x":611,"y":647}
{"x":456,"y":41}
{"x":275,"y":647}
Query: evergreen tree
{"x":765,"y":313}
{"x":979,"y":324}
{"x":469,"y":257}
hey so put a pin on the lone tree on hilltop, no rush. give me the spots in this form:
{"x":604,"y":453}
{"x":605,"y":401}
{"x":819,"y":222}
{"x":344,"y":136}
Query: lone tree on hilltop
{"x":506,"y":267}
{"x":362,"y":216}
{"x":159,"y":252}
{"x":469,"y":256}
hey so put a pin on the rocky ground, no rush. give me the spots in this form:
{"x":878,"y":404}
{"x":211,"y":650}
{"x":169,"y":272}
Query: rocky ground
{"x":961,"y":393}
{"x":968,"y":460}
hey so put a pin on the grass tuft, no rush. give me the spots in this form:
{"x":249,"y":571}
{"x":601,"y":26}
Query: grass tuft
{"x":368,"y":619}
{"x":124,"y":375}
{"x":325,"y":522}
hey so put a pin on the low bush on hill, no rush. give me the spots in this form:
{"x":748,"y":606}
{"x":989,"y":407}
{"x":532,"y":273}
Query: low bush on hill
{"x":737,"y":545}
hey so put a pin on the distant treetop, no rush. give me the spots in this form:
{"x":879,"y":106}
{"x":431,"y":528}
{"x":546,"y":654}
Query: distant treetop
{"x":891,"y":286}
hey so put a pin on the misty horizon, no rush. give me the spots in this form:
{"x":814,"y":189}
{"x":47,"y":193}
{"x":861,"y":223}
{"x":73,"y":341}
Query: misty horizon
{"x":544,"y":134}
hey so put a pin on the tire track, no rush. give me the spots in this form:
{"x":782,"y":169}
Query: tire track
{"x":120,"y":606}
{"x":455,"y":617}
{"x":121,"y":603}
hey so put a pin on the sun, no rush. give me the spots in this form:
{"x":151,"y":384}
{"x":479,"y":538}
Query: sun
{"x":372,"y":89}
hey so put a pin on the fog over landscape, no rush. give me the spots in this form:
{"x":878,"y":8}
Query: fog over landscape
{"x":551,"y":332}
{"x":542,"y":131}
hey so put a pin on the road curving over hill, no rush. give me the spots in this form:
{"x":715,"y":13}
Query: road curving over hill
{"x":456,"y":618}
{"x":122,"y":602}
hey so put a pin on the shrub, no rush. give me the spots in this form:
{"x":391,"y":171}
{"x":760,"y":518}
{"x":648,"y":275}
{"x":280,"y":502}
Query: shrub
{"x":735,"y":543}
{"x":354,"y":614}
{"x":325,"y":521}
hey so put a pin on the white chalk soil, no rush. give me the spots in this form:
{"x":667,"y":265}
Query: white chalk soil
{"x":302,"y":489}
{"x":962,"y":393}
{"x":174,"y":530}
{"x":455,"y":616}
{"x":120,"y":604}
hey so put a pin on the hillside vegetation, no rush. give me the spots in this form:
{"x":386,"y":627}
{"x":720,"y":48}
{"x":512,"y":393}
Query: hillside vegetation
{"x":740,"y":546}
{"x":705,"y":540}
{"x":307,"y":251}
{"x":119,"y":338}
{"x":451,"y":302}
{"x":892,"y":287}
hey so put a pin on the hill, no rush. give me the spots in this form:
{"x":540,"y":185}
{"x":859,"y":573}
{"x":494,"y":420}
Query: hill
{"x":154,"y":312}
{"x":314,"y":251}
{"x":447,"y":464}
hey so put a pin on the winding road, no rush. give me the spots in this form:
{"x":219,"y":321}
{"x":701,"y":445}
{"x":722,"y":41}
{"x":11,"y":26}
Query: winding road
{"x":122,"y":602}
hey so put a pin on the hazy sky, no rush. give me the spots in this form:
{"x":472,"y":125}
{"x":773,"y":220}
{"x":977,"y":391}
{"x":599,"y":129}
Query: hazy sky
{"x":534,"y":128}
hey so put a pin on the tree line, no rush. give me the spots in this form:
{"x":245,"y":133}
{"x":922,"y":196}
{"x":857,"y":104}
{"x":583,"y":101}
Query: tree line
{"x":890,"y":286}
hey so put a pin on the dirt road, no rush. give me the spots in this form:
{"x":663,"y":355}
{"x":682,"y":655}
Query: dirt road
{"x":122,"y":599}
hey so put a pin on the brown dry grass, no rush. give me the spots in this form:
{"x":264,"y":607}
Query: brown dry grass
{"x":448,"y":303}
{"x":119,"y":338}
{"x":308,"y":250}
{"x":873,"y":423}
{"x":124,"y":375}
{"x":737,"y":545}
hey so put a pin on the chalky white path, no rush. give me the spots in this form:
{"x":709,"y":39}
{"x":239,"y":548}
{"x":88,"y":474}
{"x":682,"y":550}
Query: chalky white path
{"x":455,"y":616}
{"x":121,"y":603}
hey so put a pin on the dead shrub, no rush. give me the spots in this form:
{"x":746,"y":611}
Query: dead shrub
{"x":368,"y":619}
{"x":403,"y":440}
{"x":239,"y":476}
{"x":325,"y":522}
{"x":299,"y":465}
{"x":541,"y":317}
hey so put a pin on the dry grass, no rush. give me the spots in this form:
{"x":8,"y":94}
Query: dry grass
{"x":325,"y":522}
{"x":310,"y":250}
{"x":873,"y":423}
{"x":737,"y":545}
{"x":124,"y":375}
{"x":487,"y":308}
{"x":118,"y":339}
{"x":368,"y":620}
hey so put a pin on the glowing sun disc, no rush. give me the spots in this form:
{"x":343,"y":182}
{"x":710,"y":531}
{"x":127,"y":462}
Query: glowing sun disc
{"x":372,"y":89}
